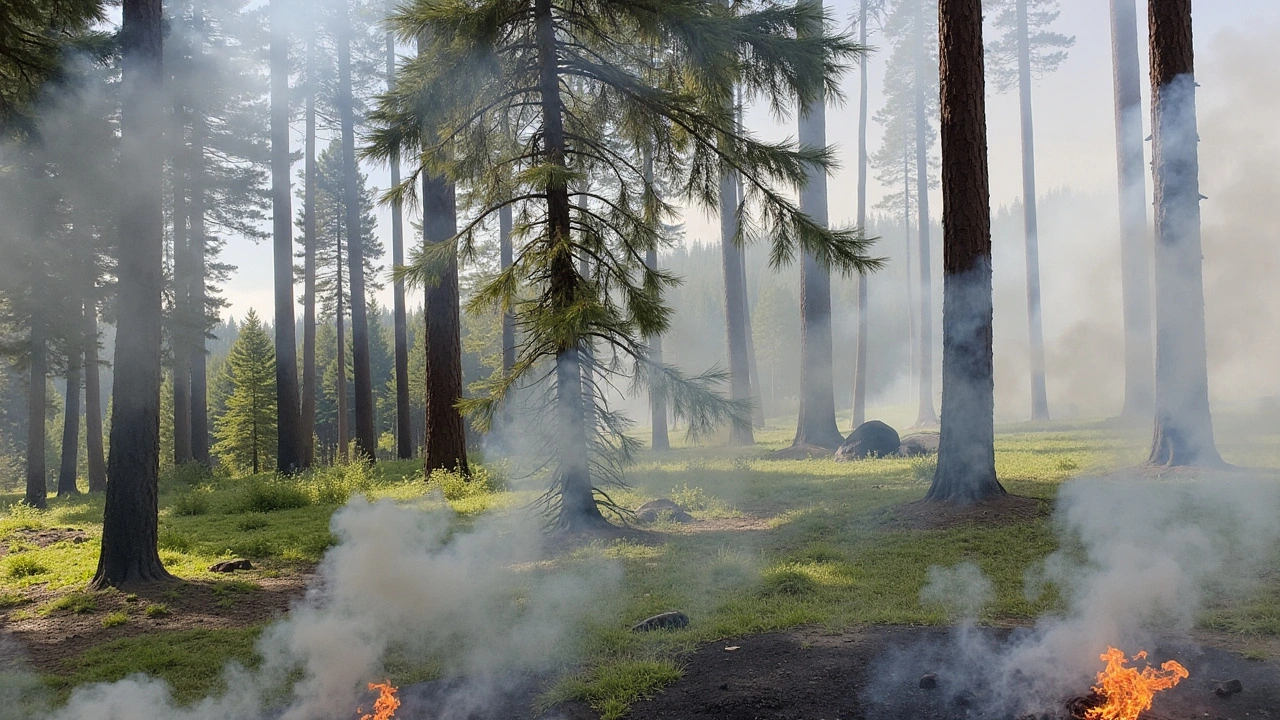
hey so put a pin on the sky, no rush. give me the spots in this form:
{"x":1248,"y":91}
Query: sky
{"x":1074,"y":127}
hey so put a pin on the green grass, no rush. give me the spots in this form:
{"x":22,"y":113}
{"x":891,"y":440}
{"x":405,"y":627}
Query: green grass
{"x":114,"y":619}
{"x":808,"y":545}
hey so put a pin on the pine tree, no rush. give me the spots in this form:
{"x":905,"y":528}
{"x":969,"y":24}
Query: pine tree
{"x":1028,"y":48}
{"x":247,"y":431}
{"x":569,"y":82}
{"x":35,"y":35}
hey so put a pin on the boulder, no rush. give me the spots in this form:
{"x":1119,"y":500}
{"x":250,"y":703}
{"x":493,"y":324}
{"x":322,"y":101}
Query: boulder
{"x":227,"y":566}
{"x":870,"y":439}
{"x":662,"y":508}
{"x":666,"y":621}
{"x":919,"y":444}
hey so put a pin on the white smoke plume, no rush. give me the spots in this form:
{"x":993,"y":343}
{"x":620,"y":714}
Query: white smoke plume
{"x":398,"y":580}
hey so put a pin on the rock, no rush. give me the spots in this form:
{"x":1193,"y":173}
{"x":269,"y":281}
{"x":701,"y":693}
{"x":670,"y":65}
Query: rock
{"x":227,"y":566}
{"x":666,"y":621}
{"x":870,"y":439}
{"x":919,"y":444}
{"x":1230,"y":687}
{"x":929,"y":681}
{"x":662,"y":508}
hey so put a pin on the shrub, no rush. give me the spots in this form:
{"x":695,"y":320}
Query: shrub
{"x":157,"y":610}
{"x":190,"y":504}
{"x":255,"y":547}
{"x":788,"y":581}
{"x":923,"y":468}
{"x":458,"y":485}
{"x":25,"y":566}
{"x":188,"y":474}
{"x":114,"y":619}
{"x":336,"y":484}
{"x":174,"y":540}
{"x":262,"y":496}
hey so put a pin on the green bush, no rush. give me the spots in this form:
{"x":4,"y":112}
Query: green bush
{"x":24,"y":566}
{"x":263,"y":496}
{"x":458,"y":485}
{"x":788,"y":581}
{"x":334,"y":485}
{"x":188,"y":474}
{"x":254,"y":547}
{"x":157,"y":610}
{"x":174,"y":540}
{"x":923,"y":468}
{"x":190,"y":504}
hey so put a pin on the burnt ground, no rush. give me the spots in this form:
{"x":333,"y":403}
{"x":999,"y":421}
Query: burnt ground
{"x":862,"y":674}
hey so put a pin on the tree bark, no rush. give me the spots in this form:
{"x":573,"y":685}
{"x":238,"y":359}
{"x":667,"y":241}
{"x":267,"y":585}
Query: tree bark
{"x":95,"y":459}
{"x":1039,"y":396}
{"x":817,"y":422}
{"x":860,"y":351}
{"x":735,"y":304}
{"x":307,"y":420}
{"x":180,"y":326}
{"x":289,"y":454}
{"x":966,"y":471}
{"x":37,"y":402}
{"x":344,"y":435}
{"x":446,"y":440}
{"x":130,"y":518}
{"x":657,"y":401}
{"x":361,"y":368}
{"x":753,"y":371}
{"x":925,"y":415}
{"x":404,"y":420}
{"x":578,"y":510}
{"x":1135,"y":243}
{"x":1183,"y":424}
{"x":197,"y":240}
{"x":70,"y":429}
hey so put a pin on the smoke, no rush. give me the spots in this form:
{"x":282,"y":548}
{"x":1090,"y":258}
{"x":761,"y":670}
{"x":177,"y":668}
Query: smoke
{"x":1138,"y":560}
{"x":401,"y":583}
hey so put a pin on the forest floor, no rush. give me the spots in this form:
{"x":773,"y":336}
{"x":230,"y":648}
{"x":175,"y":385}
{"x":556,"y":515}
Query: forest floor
{"x":780,"y":554}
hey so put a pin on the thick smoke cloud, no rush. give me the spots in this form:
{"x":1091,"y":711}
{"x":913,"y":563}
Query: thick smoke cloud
{"x":400,"y":581}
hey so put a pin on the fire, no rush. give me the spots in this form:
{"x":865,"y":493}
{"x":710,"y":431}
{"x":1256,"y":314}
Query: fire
{"x":1128,"y":692}
{"x":384,"y":708}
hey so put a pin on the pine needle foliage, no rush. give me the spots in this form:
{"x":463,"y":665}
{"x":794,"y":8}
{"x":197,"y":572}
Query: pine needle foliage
{"x":558,"y":109}
{"x":246,"y":432}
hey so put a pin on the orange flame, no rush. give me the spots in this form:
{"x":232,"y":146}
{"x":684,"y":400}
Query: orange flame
{"x":384,"y":708}
{"x":1129,"y":692}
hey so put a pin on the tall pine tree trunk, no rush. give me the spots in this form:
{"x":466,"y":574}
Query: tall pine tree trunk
{"x":753,"y":371}
{"x":1135,"y":243}
{"x":130,"y":523}
{"x":577,"y":504}
{"x":289,"y":455}
{"x":307,"y":421}
{"x":37,"y":402}
{"x":180,"y":327}
{"x":404,"y":423}
{"x":1039,"y":396}
{"x":198,"y":240}
{"x":95,"y":458}
{"x":657,"y":400}
{"x":966,"y":471}
{"x":70,"y":429}
{"x":817,"y":422}
{"x":925,"y":415}
{"x":344,"y":435}
{"x":446,"y":437}
{"x":361,"y":367}
{"x":860,"y":350}
{"x":1183,"y":424}
{"x":735,"y":304}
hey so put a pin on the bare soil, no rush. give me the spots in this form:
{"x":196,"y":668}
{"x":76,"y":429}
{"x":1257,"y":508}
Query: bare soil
{"x":870,"y":673}
{"x":998,"y":511}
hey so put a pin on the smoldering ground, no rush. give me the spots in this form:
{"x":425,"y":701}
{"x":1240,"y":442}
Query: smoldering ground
{"x":402,"y":585}
{"x":1139,"y":559}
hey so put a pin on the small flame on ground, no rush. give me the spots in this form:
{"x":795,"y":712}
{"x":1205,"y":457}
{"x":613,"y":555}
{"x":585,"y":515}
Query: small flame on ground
{"x":384,"y":708}
{"x":1128,"y":692}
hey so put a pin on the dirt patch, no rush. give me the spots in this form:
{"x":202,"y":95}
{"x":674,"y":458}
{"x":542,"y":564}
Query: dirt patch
{"x":999,"y":510}
{"x":42,"y":538}
{"x":45,"y":638}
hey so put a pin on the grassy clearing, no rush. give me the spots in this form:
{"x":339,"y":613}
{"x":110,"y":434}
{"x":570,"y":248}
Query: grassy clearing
{"x":794,"y":542}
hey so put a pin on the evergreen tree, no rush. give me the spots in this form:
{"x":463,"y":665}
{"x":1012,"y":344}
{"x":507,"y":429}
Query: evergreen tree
{"x":34,"y":35}
{"x":1027,"y":48}
{"x":247,"y":431}
{"x":569,"y":81}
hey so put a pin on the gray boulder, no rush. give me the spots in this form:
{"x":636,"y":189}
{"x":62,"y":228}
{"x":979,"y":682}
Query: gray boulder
{"x":920,"y":444}
{"x":674,"y":620}
{"x":870,"y":439}
{"x":662,"y":508}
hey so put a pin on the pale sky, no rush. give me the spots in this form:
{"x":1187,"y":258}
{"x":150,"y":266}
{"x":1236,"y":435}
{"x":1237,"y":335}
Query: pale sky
{"x":1073,"y":124}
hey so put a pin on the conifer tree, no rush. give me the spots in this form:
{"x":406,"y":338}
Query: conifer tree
{"x":247,"y":431}
{"x":574,"y":84}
